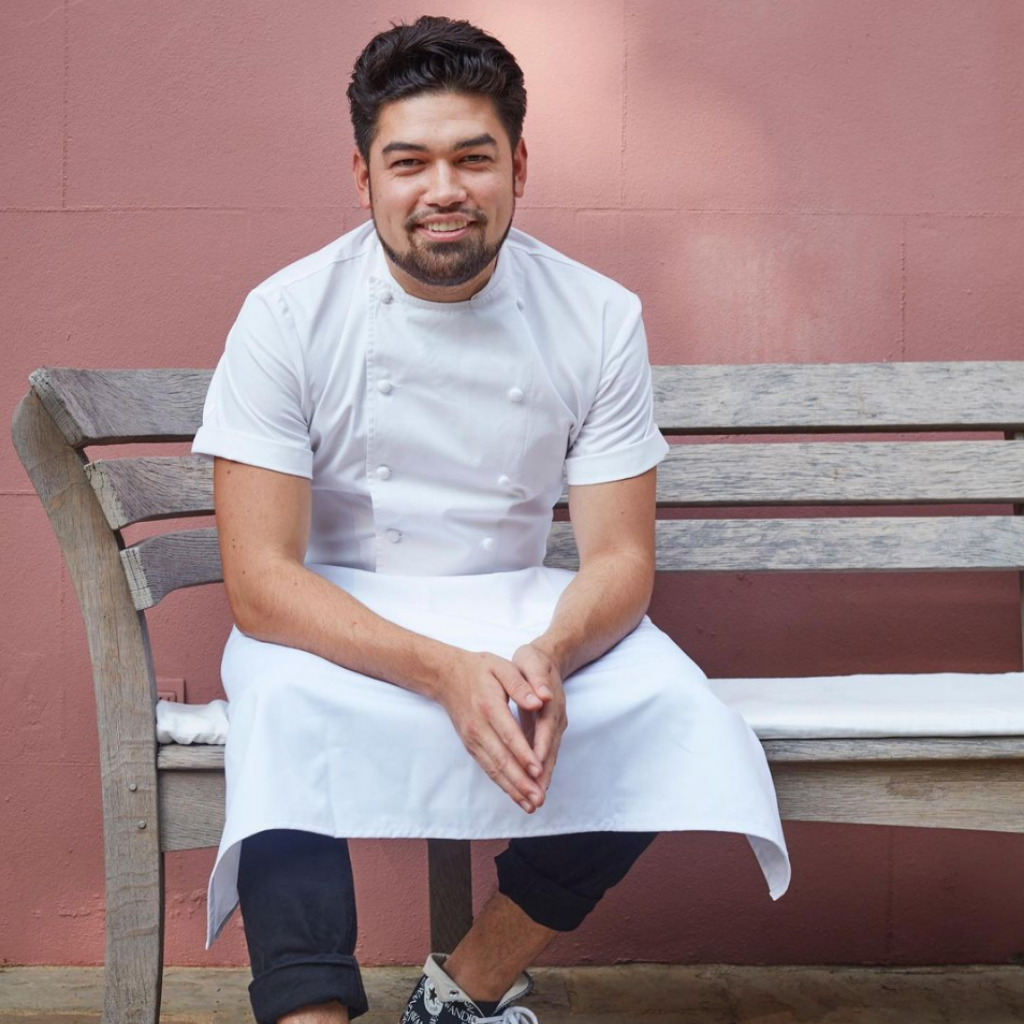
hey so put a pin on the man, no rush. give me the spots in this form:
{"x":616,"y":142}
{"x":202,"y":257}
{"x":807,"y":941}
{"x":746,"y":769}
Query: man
{"x":392,"y":421}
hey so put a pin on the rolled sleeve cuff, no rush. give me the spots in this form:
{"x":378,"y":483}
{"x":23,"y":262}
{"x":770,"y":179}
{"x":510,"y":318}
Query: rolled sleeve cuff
{"x":254,"y":451}
{"x":616,"y":465}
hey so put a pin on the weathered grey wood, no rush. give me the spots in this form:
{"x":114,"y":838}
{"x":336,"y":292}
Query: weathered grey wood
{"x":841,"y":473}
{"x":812,"y":398}
{"x":938,"y":794}
{"x":150,"y":488}
{"x":451,"y":892}
{"x":870,"y":544}
{"x":700,"y":475}
{"x":159,"y":565}
{"x":170,"y":561}
{"x":902,"y":748}
{"x":108,"y":406}
{"x":189,"y":757}
{"x":191,"y":809}
{"x":173,"y":757}
{"x":118,"y":406}
{"x":125,"y":695}
{"x":1018,"y":510}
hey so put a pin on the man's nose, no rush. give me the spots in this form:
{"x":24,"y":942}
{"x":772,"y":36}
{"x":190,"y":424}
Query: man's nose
{"x":444,"y":188}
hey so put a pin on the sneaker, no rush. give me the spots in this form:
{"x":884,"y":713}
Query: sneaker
{"x":437,"y":999}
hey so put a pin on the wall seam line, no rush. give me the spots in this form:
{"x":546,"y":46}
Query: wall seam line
{"x":64,"y":117}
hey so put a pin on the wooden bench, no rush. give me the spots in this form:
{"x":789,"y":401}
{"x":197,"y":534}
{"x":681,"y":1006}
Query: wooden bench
{"x":158,"y":798}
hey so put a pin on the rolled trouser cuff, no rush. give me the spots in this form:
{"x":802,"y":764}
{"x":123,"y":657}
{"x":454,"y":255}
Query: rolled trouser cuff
{"x":542,"y":900}
{"x":289,"y":986}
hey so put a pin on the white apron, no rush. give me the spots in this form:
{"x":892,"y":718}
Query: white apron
{"x":315,"y":746}
{"x":437,"y":437}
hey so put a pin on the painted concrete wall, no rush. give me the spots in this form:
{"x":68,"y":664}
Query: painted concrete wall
{"x":780,"y":180}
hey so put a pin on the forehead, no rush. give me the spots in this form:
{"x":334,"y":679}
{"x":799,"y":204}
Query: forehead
{"x":437,"y":120}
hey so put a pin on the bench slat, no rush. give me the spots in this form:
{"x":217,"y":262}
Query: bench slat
{"x":926,"y":794}
{"x":870,"y":544}
{"x":118,"y":406}
{"x":200,"y":757}
{"x":171,"y":561}
{"x":824,"y":473}
{"x":158,"y":565}
{"x":122,"y":406}
{"x":797,"y":398}
{"x":694,"y":475}
{"x":149,"y":488}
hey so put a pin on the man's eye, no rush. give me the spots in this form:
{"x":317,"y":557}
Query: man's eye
{"x":408,"y":160}
{"x":477,"y":156}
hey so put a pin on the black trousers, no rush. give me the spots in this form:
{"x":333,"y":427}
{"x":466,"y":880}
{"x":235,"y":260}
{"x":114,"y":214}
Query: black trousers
{"x":297,"y":898}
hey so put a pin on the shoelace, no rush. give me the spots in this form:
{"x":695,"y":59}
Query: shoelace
{"x":511,"y":1015}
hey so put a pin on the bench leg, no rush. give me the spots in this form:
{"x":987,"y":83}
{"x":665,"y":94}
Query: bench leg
{"x":451,"y":892}
{"x":133,"y":973}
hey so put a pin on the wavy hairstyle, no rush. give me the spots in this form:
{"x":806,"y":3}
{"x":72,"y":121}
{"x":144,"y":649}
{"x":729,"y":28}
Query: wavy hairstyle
{"x":434,"y":55}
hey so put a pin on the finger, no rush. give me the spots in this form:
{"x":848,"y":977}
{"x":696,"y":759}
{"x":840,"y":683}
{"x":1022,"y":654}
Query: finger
{"x":548,"y":739}
{"x":511,"y":753}
{"x":539,"y":671}
{"x":544,"y":779}
{"x":518,"y":686}
{"x":512,"y":736}
{"x":488,"y":756}
{"x":528,"y":723}
{"x":544,"y":731}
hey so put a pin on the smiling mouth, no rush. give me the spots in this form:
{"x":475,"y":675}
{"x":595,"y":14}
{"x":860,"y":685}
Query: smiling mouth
{"x":442,"y":235}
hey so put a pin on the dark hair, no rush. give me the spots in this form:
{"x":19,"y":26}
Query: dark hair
{"x":434,"y":55}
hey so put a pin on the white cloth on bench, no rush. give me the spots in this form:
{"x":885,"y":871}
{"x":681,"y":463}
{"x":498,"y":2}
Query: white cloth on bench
{"x":818,"y":707}
{"x":191,"y":723}
{"x":932,"y":704}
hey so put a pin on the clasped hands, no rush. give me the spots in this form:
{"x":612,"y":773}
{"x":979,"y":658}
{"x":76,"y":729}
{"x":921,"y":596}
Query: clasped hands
{"x":476,"y":691}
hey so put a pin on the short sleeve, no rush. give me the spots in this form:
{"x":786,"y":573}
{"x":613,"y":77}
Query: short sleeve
{"x":619,"y":438}
{"x":254,"y":407}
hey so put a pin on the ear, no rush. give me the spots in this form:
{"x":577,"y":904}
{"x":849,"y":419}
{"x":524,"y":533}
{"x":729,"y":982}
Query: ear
{"x":361,"y":175}
{"x":519,"y":169}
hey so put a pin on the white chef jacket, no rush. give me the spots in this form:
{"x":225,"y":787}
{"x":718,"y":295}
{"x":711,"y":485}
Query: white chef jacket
{"x":437,"y":437}
{"x":437,"y":434}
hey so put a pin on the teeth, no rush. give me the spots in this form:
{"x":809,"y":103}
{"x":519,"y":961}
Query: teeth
{"x":446,"y":226}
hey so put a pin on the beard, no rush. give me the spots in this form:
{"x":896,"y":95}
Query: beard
{"x":445,"y":264}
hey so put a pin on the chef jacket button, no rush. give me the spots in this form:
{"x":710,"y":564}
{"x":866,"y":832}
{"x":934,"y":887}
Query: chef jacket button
{"x":386,"y":296}
{"x":383,"y":472}
{"x":393,"y":535}
{"x":384,"y":387}
{"x":487,"y":543}
{"x":515,"y":394}
{"x":504,"y":481}
{"x":520,"y":303}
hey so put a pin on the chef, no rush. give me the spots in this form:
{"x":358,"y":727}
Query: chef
{"x":392,"y":420}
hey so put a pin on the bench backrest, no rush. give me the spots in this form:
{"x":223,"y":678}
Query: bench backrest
{"x":91,"y":501}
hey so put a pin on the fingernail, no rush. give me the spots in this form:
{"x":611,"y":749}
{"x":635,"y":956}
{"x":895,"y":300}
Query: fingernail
{"x":532,"y":699}
{"x":534,"y":770}
{"x":525,"y":806}
{"x":545,"y":691}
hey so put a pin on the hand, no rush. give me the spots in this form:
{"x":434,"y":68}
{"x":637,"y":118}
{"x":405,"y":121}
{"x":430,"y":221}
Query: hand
{"x":543,"y":726}
{"x":475,"y":693}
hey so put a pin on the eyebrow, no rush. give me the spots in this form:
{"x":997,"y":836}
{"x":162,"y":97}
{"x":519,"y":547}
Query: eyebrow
{"x":478,"y":140}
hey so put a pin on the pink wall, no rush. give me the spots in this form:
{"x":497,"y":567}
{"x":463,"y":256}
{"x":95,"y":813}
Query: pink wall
{"x":781,"y":180}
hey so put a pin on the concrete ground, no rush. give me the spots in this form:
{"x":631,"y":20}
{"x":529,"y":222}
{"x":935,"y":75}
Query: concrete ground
{"x":641,"y":993}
